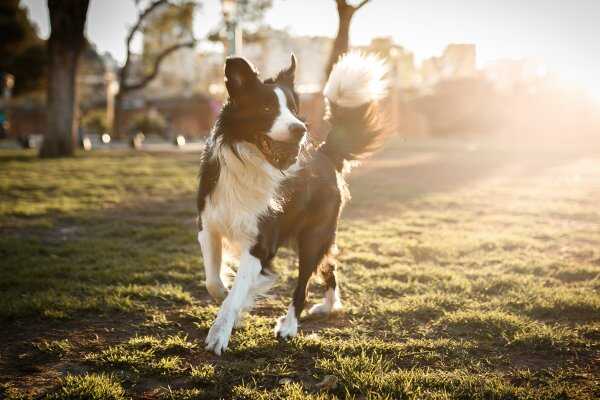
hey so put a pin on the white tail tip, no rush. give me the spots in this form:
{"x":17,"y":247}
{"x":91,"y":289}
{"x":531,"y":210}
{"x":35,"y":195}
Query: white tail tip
{"x":356,"y":79}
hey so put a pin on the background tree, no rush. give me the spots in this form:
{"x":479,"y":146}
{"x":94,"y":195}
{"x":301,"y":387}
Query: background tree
{"x":149,"y":123}
{"x":94,"y":121}
{"x":250,"y":15}
{"x":340,"y":45}
{"x":67,"y":24}
{"x":173,"y":15}
{"x":22,"y":52}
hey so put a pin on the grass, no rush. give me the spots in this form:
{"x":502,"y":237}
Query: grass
{"x":465,"y":275}
{"x":92,"y":386}
{"x":55,"y":347}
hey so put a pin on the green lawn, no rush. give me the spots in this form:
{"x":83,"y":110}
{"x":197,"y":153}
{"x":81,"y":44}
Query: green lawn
{"x":468,"y":272}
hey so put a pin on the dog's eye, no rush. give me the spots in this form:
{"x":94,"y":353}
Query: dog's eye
{"x":267,"y":110}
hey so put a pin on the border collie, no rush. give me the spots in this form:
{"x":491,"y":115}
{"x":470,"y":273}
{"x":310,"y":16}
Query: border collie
{"x":264,"y":184}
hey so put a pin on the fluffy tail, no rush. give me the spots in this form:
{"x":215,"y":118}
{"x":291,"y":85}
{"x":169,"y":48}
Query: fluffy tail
{"x":353,"y":90}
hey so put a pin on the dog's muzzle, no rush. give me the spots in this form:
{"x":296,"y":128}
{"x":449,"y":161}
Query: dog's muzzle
{"x":280,"y":154}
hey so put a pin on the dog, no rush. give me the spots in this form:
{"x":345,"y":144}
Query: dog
{"x":263,"y":183}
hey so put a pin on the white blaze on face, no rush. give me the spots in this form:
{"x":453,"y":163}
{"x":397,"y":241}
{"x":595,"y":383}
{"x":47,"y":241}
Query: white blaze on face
{"x":280,"y":130}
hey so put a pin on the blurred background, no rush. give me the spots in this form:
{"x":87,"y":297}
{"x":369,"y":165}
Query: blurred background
{"x":469,"y":254}
{"x":519,"y":72}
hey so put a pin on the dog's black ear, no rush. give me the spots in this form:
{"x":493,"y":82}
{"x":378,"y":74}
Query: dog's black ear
{"x":240,"y":76}
{"x":286,"y":77}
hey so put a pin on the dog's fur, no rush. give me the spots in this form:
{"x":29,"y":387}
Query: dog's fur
{"x":261,"y":186}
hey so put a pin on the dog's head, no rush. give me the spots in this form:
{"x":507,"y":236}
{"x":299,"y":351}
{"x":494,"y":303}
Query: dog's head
{"x":264,"y":113}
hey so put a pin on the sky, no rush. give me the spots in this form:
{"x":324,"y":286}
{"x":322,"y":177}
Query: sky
{"x":564,"y":35}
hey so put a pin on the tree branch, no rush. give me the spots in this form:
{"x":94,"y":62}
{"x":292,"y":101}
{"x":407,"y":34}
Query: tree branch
{"x":343,"y":4}
{"x":340,"y":45}
{"x":142,"y":16}
{"x":156,"y":66}
{"x":361,"y":4}
{"x":134,"y":29}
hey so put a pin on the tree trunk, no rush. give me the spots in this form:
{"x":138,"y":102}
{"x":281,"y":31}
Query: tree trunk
{"x":117,"y":122}
{"x":341,"y":43}
{"x":67,"y":21}
{"x":61,"y":135}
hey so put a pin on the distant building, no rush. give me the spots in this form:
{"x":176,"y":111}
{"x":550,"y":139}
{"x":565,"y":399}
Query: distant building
{"x":91,"y":81}
{"x":28,"y":113}
{"x":457,"y":61}
{"x":400,"y":61}
{"x":110,"y":63}
{"x":431,"y":71}
{"x":270,"y":52}
{"x":209,"y":73}
{"x":508,"y":74}
{"x":460,"y":60}
{"x":190,"y":116}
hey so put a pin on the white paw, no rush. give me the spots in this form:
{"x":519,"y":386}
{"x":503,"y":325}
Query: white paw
{"x":286,"y":326}
{"x":325,"y":308}
{"x":218,"y":336}
{"x":217,"y":290}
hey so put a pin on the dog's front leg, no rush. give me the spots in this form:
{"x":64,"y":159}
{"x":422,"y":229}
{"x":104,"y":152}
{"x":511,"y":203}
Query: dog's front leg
{"x":211,"y":246}
{"x":220,"y":331}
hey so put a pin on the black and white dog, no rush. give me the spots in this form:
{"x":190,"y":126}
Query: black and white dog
{"x":263,"y":184}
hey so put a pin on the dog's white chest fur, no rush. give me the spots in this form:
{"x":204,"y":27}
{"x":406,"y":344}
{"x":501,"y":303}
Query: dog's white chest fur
{"x":245,"y":190}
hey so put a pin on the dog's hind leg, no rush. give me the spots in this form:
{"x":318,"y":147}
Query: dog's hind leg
{"x":212,"y":249}
{"x":313,"y":245}
{"x":331,"y":302}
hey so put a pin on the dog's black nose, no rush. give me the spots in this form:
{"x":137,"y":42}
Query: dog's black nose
{"x":297,"y":130}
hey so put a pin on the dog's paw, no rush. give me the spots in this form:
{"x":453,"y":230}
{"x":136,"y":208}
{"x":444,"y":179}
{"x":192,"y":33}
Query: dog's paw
{"x":218,"y":336}
{"x":217,"y":290}
{"x":325,"y":308}
{"x":286,"y":327}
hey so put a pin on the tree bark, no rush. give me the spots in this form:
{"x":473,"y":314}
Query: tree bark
{"x":342,"y":39}
{"x":67,"y":21}
{"x":117,"y":122}
{"x":340,"y":45}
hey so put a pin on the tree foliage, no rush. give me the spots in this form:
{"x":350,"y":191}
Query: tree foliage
{"x":170,"y":22}
{"x":151,"y":123}
{"x":94,"y":121}
{"x":22,"y":52}
{"x":16,"y":31}
{"x":252,"y":11}
{"x":250,"y":14}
